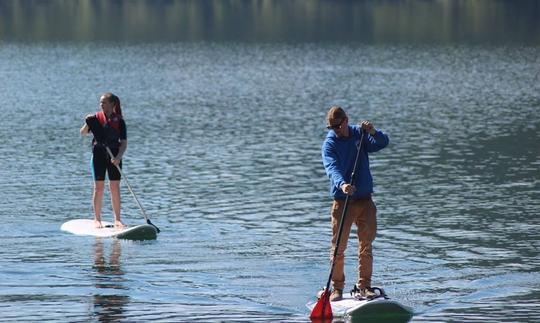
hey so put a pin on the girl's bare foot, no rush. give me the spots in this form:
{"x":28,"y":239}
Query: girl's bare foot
{"x":119,"y":224}
{"x":97,"y":224}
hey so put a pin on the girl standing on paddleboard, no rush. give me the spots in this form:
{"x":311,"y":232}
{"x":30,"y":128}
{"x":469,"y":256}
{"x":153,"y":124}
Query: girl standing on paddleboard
{"x":112,"y":135}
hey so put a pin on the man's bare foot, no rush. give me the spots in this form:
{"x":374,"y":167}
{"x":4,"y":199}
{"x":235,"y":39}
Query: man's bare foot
{"x":119,"y":224}
{"x":97,"y":224}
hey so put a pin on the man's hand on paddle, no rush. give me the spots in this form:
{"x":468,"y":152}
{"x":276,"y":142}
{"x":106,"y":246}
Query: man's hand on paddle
{"x":348,"y":189}
{"x":368,"y":127}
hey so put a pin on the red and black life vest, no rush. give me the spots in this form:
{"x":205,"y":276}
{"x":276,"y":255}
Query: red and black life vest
{"x":111,"y":129}
{"x":113,"y":122}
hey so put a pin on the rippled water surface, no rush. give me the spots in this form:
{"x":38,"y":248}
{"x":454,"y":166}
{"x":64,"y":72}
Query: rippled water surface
{"x":224,"y":153}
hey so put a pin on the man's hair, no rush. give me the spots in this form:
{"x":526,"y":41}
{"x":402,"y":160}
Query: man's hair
{"x":335,"y":113}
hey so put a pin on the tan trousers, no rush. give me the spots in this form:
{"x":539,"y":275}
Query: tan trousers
{"x":363,"y":213}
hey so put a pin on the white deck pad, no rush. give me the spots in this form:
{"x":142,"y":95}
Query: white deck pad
{"x":85,"y":227}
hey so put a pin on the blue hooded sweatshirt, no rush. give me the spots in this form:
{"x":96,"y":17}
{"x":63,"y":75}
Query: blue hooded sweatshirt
{"x":338,"y":155}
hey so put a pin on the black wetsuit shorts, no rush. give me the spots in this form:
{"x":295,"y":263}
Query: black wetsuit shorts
{"x":101,"y":164}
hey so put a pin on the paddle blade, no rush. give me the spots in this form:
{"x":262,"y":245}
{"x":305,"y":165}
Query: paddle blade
{"x":157,"y":229}
{"x":323,"y":309}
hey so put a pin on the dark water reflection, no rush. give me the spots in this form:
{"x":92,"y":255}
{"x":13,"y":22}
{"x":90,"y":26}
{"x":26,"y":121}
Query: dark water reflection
{"x":447,"y":21}
{"x":108,"y":306}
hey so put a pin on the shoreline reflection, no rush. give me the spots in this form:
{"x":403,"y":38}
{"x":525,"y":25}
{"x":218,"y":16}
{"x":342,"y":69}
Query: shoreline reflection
{"x":416,"y":21}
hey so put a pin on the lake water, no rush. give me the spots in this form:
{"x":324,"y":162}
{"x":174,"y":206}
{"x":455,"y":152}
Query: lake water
{"x":224,"y":154}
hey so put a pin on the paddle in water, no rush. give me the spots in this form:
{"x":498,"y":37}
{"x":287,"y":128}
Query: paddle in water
{"x":323,"y":309}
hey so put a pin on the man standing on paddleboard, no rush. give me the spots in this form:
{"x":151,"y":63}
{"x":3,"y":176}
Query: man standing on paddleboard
{"x":339,"y":152}
{"x":114,"y":136}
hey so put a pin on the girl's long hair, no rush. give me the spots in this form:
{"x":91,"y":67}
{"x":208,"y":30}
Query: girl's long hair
{"x":117,"y":109}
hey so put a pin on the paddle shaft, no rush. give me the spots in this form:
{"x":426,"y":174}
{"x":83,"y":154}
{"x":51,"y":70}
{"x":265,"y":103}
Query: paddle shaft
{"x":345,"y":208}
{"x":131,"y":190}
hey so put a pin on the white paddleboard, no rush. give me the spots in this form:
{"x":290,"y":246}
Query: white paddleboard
{"x":85,"y":227}
{"x":379,"y":308}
